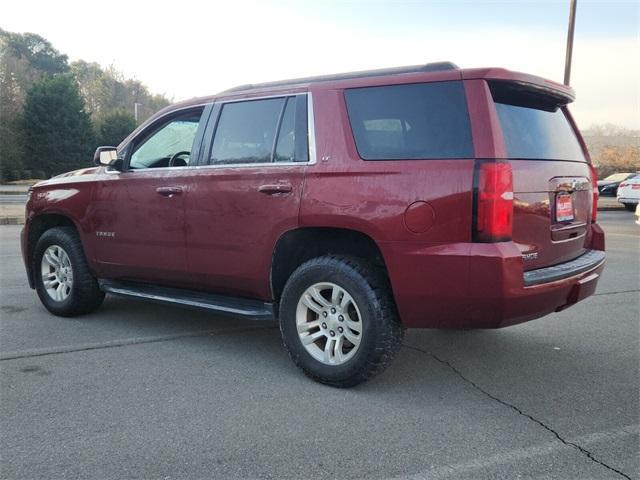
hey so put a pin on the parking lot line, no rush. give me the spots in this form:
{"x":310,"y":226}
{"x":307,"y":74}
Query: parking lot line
{"x":519,"y":454}
{"x":122,"y":343}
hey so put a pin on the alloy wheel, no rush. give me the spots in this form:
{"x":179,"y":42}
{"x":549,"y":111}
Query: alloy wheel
{"x":329,"y":323}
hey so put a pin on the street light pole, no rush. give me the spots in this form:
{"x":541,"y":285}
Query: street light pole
{"x":135,"y":111}
{"x":572,"y":24}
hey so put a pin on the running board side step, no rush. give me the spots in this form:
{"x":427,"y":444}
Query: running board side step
{"x":240,"y":307}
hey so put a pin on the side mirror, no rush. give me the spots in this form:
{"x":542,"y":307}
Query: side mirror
{"x":104,"y":156}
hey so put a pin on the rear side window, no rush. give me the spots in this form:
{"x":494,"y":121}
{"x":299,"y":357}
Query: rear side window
{"x":286,"y":144}
{"x":246,"y":131}
{"x":534,"y":128}
{"x":261,"y":131}
{"x":414,"y":121}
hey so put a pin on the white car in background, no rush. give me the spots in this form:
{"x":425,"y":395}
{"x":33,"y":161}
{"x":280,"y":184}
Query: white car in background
{"x":629,"y":193}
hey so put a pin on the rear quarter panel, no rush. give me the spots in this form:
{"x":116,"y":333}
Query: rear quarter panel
{"x":341,"y":190}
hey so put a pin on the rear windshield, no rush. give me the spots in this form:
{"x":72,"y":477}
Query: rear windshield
{"x":414,"y":121}
{"x":538,"y":134}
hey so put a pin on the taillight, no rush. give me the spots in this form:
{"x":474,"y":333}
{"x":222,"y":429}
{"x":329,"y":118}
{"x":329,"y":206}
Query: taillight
{"x":623,"y":184}
{"x":594,"y":184}
{"x":493,"y":202}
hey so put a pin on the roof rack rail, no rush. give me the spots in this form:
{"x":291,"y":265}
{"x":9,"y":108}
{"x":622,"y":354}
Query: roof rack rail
{"x":429,"y":67}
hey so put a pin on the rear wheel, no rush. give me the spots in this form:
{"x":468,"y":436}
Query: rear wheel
{"x":62,"y":278}
{"x":338,"y":320}
{"x":630,"y":206}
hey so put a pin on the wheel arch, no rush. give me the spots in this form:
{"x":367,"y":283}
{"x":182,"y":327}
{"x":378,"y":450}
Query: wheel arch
{"x":37,"y":226}
{"x":296,"y":246}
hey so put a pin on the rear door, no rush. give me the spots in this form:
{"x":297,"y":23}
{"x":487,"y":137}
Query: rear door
{"x":247,"y":193}
{"x":552,"y":179}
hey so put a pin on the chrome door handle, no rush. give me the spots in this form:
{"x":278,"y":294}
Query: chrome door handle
{"x":169,"y":191}
{"x":275,"y":189}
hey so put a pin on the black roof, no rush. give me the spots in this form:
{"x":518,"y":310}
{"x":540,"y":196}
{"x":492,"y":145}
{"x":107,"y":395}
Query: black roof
{"x":429,"y":67}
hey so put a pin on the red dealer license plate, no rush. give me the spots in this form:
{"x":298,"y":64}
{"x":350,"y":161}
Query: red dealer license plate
{"x":564,"y":208}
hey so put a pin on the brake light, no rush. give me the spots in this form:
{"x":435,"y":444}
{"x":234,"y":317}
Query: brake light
{"x":594,"y":184}
{"x":622,"y":185}
{"x":493,"y":202}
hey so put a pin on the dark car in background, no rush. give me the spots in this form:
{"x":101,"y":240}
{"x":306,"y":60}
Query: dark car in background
{"x":608,"y":187}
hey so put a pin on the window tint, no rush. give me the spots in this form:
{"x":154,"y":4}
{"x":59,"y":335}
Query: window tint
{"x":538,"y":134}
{"x":415,"y":121}
{"x":246,"y":131}
{"x":286,"y":145}
{"x":157,"y":149}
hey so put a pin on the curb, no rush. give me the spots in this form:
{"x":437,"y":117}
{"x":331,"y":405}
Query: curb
{"x":611,"y":209}
{"x":11,"y":220}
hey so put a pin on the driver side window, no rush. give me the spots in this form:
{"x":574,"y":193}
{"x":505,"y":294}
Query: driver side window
{"x":169,"y":145}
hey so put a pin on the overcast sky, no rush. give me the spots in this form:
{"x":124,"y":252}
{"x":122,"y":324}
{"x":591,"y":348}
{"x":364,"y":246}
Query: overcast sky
{"x":188,"y":48}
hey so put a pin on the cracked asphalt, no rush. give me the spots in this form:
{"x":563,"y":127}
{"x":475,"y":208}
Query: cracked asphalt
{"x":138,"y":390}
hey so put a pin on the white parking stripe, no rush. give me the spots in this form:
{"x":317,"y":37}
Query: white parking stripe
{"x":518,"y":454}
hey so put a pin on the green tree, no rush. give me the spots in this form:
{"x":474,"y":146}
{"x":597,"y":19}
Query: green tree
{"x":58,"y":132}
{"x":11,"y":134}
{"x":24,"y":59}
{"x":106,"y":90}
{"x":37,"y":51}
{"x":115,"y":127}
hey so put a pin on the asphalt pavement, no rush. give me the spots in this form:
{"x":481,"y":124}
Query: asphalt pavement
{"x":139,"y":390}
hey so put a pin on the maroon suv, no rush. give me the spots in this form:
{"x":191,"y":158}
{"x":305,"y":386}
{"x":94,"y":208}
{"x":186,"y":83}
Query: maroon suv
{"x":347,"y":206}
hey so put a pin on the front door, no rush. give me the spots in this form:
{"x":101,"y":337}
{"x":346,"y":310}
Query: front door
{"x":139,"y":218}
{"x":248,"y":193}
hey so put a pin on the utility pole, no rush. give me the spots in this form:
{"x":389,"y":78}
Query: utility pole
{"x":135,"y":110}
{"x":572,"y":25}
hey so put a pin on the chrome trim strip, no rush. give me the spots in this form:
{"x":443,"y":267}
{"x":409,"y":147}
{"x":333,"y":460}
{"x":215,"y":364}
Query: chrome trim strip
{"x":311,"y":129}
{"x":200,"y":167}
{"x":263,"y":97}
{"x":569,"y":227}
{"x":572,"y":239}
{"x":249,"y":165}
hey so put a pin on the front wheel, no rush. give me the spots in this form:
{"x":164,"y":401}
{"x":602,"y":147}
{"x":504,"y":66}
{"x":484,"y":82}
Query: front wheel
{"x":338,"y":320}
{"x":63,"y":281}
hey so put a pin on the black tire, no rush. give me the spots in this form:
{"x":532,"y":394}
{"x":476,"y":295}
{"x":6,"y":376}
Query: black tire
{"x":630,"y":206}
{"x":382,"y":332}
{"x":85,"y":295}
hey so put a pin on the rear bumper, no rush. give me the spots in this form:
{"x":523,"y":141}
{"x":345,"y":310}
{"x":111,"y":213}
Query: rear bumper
{"x":475,"y":285}
{"x":584,"y":263}
{"x":631,"y":200}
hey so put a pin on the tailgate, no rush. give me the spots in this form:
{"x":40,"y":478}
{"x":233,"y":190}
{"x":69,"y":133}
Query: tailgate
{"x":552,"y":180}
{"x":552,"y":210}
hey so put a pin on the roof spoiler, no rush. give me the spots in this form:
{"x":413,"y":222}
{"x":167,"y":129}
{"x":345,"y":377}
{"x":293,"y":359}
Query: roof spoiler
{"x":503,"y":81}
{"x":526,"y":94}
